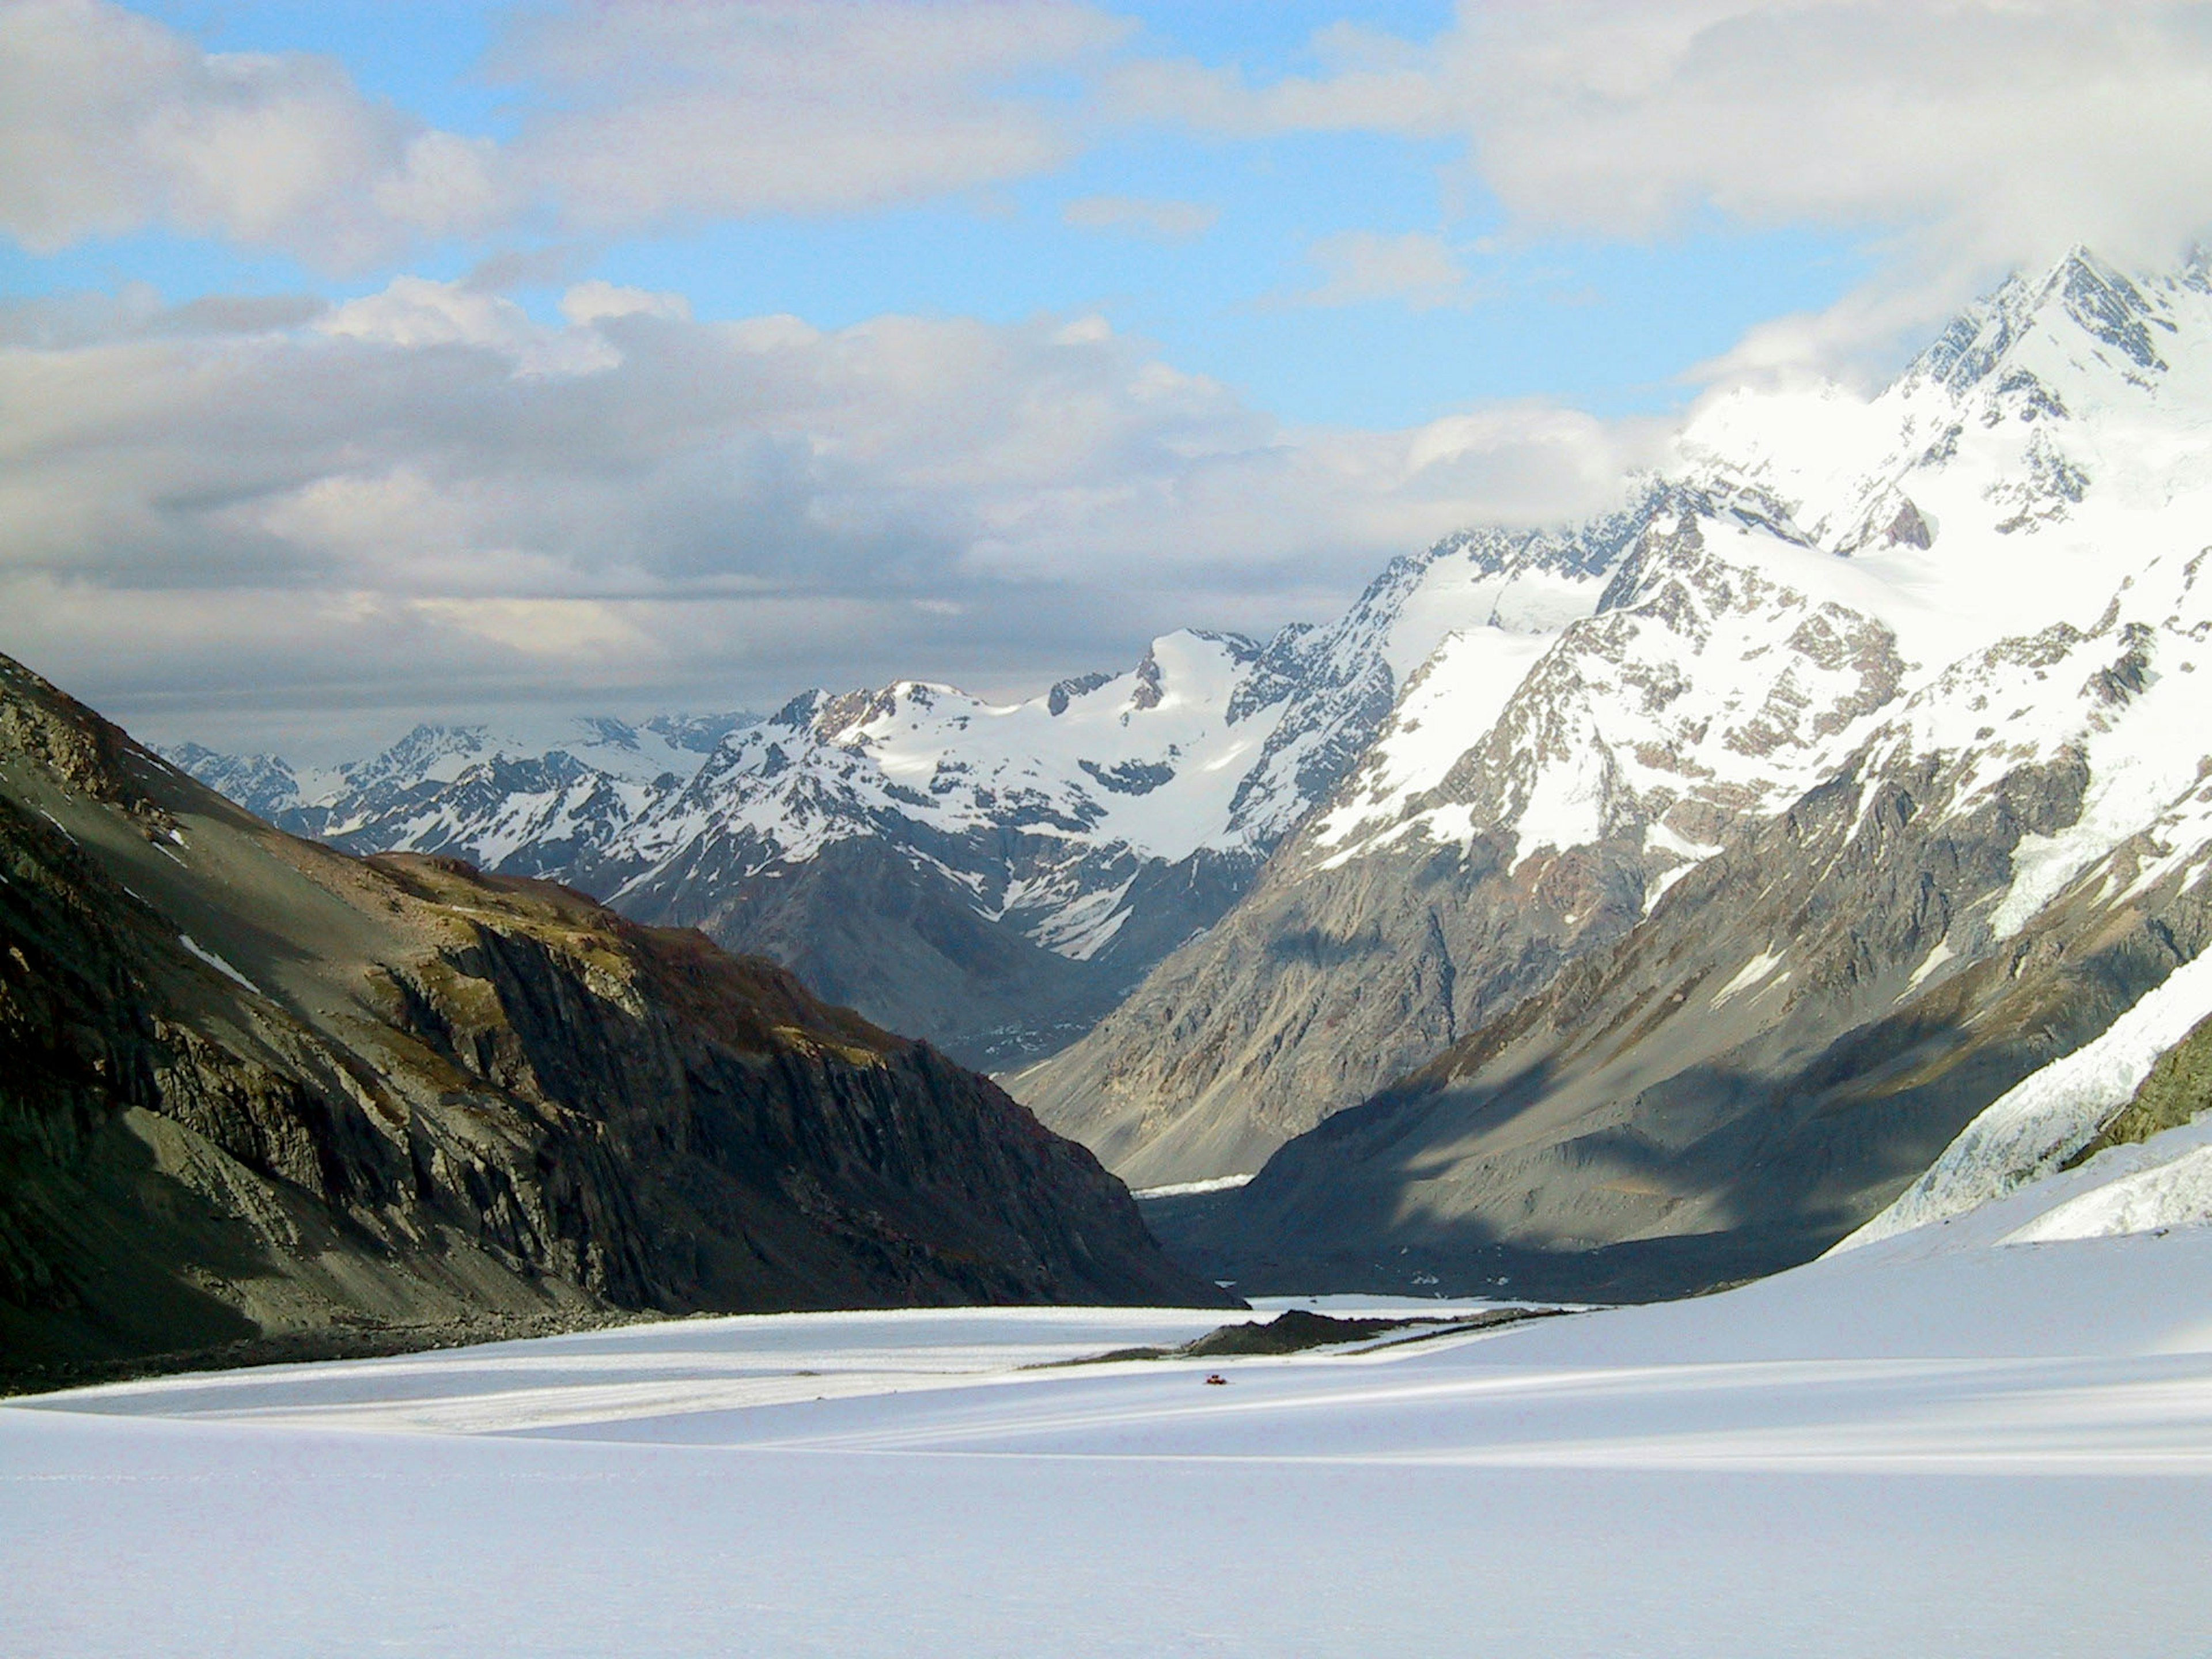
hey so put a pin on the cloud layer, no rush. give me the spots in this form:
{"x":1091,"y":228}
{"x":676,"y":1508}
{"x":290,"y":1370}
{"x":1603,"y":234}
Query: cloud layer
{"x":1961,"y":139}
{"x":634,"y":113}
{"x":1999,"y":126}
{"x":648,"y":111}
{"x":1992,"y":131}
{"x":426,"y":487}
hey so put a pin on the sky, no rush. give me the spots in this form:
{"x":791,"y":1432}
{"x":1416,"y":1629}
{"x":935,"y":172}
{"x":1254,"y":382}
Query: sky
{"x":362,"y":364}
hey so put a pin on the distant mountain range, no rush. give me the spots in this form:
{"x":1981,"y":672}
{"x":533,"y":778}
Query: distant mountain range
{"x":993,"y":878}
{"x":1624,"y":907}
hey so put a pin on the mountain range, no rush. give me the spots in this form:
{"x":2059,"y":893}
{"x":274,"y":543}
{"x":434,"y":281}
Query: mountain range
{"x":991,"y":878}
{"x":1624,"y":907}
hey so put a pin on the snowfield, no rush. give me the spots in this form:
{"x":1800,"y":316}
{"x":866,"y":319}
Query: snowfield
{"x":1934,"y":1444}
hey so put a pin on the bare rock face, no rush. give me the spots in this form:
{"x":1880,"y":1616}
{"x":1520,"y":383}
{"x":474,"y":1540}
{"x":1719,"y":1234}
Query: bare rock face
{"x":259,"y":1096}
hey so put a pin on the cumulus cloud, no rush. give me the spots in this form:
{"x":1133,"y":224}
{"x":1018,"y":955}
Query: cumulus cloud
{"x":1132,"y":215}
{"x":634,"y":112}
{"x":426,"y":488}
{"x":415,"y":310}
{"x":110,"y":121}
{"x":596,"y":300}
{"x":2005,"y":121}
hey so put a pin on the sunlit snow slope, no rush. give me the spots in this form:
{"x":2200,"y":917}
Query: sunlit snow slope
{"x":1955,"y":1447}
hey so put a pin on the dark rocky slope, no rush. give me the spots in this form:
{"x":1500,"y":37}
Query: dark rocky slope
{"x":258,"y":1096}
{"x":871,"y":929}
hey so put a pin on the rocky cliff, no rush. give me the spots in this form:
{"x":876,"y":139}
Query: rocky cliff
{"x":259,"y":1096}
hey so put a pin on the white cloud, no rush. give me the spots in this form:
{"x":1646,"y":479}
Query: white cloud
{"x":444,"y":185}
{"x":596,"y":300}
{"x":1359,"y":266}
{"x":403,"y":497}
{"x":660,"y":110}
{"x":634,"y":112}
{"x":416,"y":312}
{"x":1132,"y":215}
{"x":558,"y":631}
{"x":110,"y":121}
{"x":1966,"y":137}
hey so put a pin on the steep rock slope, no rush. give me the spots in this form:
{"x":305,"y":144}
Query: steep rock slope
{"x":1821,"y":559}
{"x":255,"y":1093}
{"x":2145,"y":1080}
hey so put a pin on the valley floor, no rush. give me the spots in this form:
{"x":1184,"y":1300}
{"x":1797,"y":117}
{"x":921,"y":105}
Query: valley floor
{"x":1930,"y":1446}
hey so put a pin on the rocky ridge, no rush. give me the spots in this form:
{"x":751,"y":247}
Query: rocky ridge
{"x":261,"y":1097}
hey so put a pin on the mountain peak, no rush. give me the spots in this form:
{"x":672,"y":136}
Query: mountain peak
{"x":2081,"y":292}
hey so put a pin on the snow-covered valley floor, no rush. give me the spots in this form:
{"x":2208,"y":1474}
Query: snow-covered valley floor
{"x":1932,"y":1445}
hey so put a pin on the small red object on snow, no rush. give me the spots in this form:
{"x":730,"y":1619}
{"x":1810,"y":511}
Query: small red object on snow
{"x":1215,"y":1379}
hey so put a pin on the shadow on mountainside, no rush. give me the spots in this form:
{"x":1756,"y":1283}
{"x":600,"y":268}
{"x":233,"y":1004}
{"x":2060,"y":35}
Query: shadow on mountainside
{"x":1561,"y":1180}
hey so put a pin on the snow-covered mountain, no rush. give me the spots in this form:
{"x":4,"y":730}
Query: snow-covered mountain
{"x":993,"y":876}
{"x":544,"y":802}
{"x":1959,"y":596}
{"x":265,"y":785}
{"x":512,"y":804}
{"x":997,"y":876}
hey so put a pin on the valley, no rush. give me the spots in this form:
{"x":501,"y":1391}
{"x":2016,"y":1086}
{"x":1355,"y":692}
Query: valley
{"x":1617,"y":909}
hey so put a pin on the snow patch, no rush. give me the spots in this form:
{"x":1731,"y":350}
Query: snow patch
{"x":1935,"y":960}
{"x":1749,"y":975}
{"x":2032,"y":1128}
{"x":2176,"y":1192}
{"x":1188,"y":1188}
{"x":218,"y":963}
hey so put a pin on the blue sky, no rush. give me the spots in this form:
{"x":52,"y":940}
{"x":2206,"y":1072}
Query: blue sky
{"x":1615,"y":325}
{"x":1114,"y":318}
